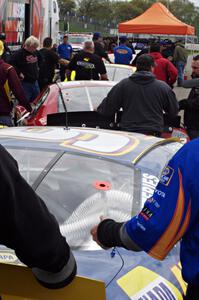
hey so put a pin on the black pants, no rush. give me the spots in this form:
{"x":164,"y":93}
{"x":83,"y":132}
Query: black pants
{"x":192,"y":293}
{"x":63,"y":72}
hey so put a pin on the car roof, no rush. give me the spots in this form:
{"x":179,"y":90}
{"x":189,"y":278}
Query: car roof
{"x":120,"y":66}
{"x":124,"y":147}
{"x":83,"y":83}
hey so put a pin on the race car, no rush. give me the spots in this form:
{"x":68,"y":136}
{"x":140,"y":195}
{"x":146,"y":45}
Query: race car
{"x":84,"y":173}
{"x":77,"y":40}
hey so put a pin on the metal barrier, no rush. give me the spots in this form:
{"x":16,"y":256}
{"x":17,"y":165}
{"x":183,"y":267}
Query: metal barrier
{"x":18,"y":282}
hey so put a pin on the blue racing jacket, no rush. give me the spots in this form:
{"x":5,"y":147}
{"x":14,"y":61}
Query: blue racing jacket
{"x":170,"y":215}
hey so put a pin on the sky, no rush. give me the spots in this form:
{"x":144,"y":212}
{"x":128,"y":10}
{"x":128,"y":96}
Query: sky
{"x":196,"y":2}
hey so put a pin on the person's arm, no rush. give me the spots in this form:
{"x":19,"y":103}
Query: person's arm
{"x":160,"y":224}
{"x":192,"y":83}
{"x":101,"y":69}
{"x":29,"y":229}
{"x":59,"y":50}
{"x":113,"y":102}
{"x":191,"y":103}
{"x":71,"y":67}
{"x":14,"y":61}
{"x":172,"y":73}
{"x":17,"y":89}
{"x":171,"y":106}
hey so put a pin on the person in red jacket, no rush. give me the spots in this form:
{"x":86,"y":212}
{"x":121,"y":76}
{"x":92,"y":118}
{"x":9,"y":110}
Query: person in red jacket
{"x":164,"y":69}
{"x":9,"y":80}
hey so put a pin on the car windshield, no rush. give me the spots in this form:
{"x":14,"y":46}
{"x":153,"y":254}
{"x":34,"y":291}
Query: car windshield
{"x":79,"y":189}
{"x":79,"y":39}
{"x":83,"y":98}
{"x":116,"y":73}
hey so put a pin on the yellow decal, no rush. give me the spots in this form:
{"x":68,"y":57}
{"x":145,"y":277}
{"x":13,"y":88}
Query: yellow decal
{"x":8,"y":258}
{"x":90,"y":143}
{"x":142,"y":283}
{"x":177,"y":272}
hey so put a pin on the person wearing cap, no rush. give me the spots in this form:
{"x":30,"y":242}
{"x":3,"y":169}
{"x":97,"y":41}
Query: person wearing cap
{"x":123,"y":54}
{"x":87,"y":65}
{"x":99,"y":49}
{"x":65,"y":52}
{"x":9,"y":80}
{"x":143,"y":100}
{"x":7,"y":52}
{"x":167,"y":49}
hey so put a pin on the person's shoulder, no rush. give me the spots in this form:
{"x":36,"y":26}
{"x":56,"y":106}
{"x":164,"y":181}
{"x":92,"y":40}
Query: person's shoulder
{"x":96,"y":58}
{"x":162,"y":85}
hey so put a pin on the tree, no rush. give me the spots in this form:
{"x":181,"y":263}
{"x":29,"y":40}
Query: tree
{"x":66,"y":7}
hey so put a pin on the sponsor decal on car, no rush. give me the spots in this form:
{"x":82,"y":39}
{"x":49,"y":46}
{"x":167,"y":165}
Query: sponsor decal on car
{"x":7,"y":257}
{"x":152,"y":286}
{"x":149,"y":183}
{"x":166,"y":175}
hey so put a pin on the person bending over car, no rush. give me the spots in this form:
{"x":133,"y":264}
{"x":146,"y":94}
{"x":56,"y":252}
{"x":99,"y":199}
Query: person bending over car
{"x":143,"y":100}
{"x":28,"y":227}
{"x":170,"y":215}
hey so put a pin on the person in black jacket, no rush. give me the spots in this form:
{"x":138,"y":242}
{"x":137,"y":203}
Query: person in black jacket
{"x":28,"y":227}
{"x":87,"y":65}
{"x":99,"y":49}
{"x":26,"y":62}
{"x":143,"y":100}
{"x":48,"y":63}
{"x":191,"y":104}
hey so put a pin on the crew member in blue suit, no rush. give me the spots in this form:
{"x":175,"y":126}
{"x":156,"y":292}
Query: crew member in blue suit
{"x":123,"y":54}
{"x":65,"y":51}
{"x":170,"y":215}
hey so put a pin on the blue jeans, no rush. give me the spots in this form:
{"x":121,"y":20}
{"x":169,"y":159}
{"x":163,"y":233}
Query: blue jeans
{"x":31,"y":90}
{"x":180,"y":65}
{"x":6,"y":120}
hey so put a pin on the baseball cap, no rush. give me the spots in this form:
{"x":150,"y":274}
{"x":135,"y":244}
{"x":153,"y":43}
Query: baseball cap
{"x":1,"y":48}
{"x":163,"y":43}
{"x":96,"y":35}
{"x":123,"y":38}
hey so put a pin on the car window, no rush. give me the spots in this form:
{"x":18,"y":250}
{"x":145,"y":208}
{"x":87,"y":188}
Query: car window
{"x":110,"y":72}
{"x":152,"y":164}
{"x":41,"y":101}
{"x":97,"y":94}
{"x":121,"y":73}
{"x":78,"y":190}
{"x":76,"y":99}
{"x":31,"y":162}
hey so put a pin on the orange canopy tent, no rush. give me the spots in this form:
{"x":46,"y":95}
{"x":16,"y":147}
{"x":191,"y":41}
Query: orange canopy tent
{"x":156,"y":20}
